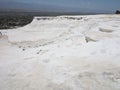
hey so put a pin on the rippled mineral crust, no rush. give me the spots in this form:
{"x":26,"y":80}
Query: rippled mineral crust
{"x":62,"y":53}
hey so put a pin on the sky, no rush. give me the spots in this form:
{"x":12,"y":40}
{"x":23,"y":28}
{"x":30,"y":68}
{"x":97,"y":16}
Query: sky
{"x":64,"y":5}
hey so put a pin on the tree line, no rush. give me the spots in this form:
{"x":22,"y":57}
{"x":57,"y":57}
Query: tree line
{"x":12,"y":21}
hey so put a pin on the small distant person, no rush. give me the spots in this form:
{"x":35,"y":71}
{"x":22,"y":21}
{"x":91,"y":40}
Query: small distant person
{"x":0,"y":34}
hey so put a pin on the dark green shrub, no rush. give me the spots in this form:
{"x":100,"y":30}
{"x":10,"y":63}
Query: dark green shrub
{"x":11,"y":21}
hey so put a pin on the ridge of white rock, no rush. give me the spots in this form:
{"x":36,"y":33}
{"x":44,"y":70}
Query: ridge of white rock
{"x":62,"y":53}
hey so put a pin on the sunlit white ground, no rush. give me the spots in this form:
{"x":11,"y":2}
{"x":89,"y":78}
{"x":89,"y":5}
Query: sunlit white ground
{"x":62,"y":53}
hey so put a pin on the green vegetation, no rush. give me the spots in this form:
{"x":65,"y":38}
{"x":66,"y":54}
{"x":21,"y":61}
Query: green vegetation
{"x":9,"y":19}
{"x":117,"y":12}
{"x":12,"y":21}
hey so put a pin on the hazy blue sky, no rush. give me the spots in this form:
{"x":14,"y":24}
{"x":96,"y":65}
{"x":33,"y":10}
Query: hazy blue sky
{"x":64,"y":5}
